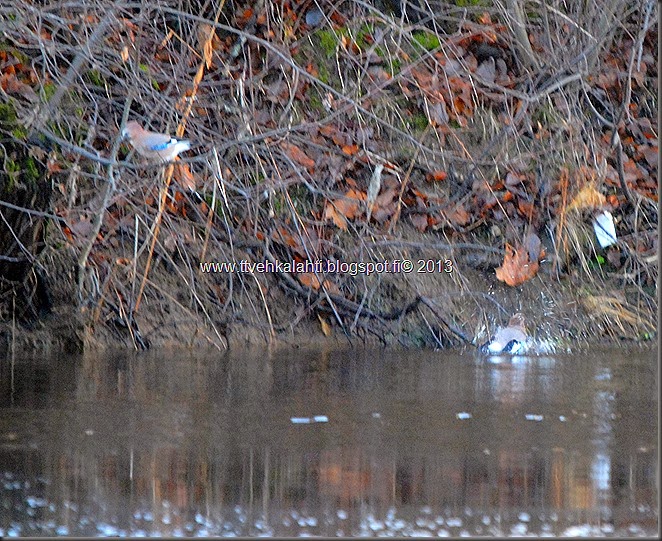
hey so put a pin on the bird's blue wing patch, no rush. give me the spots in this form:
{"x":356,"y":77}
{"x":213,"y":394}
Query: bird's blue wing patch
{"x":163,"y":146}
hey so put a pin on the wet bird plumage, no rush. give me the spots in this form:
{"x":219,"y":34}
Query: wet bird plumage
{"x":509,"y":339}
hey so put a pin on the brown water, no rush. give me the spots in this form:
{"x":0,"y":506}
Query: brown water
{"x":413,"y":443}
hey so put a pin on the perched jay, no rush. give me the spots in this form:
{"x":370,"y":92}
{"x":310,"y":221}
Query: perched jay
{"x":510,"y":339}
{"x":154,"y":145}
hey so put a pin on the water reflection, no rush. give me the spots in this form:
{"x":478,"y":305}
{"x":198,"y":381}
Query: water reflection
{"x":415,"y":444}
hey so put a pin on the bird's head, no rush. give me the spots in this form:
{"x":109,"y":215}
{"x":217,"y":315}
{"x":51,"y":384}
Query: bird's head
{"x":131,"y":129}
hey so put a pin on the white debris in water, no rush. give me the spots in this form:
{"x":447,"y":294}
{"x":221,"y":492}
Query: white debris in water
{"x":518,"y":529}
{"x":376,"y":415}
{"x":341,"y":514}
{"x":524,"y":517}
{"x":486,"y":520}
{"x":443,"y":533}
{"x":463,"y":415}
{"x":375,"y":525}
{"x":35,"y":502}
{"x":107,"y":530}
{"x":421,"y":533}
{"x":562,"y":418}
{"x":533,"y":417}
{"x":454,"y":522}
{"x":309,"y":420}
{"x":582,"y":530}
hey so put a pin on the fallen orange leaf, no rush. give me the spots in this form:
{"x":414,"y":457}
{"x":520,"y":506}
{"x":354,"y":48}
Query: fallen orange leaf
{"x":298,"y":155}
{"x":516,"y":268}
{"x":587,"y":197}
{"x":436,"y":176}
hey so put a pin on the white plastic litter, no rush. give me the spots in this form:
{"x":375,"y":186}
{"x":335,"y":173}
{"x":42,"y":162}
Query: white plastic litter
{"x":605,"y":231}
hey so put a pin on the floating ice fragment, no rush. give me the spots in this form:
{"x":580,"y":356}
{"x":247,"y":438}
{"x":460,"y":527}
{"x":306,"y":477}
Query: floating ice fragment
{"x":463,"y":415}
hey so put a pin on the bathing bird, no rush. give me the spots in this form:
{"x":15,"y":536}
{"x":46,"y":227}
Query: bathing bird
{"x":154,"y":145}
{"x":510,"y":339}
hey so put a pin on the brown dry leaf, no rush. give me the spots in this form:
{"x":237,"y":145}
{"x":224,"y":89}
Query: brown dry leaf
{"x":384,"y":206}
{"x":326,"y":328}
{"x":350,"y":150}
{"x":437,"y":113}
{"x":436,"y":176}
{"x":11,"y":84}
{"x":419,"y":221}
{"x":588,"y":197}
{"x":282,"y":236}
{"x":329,"y":130}
{"x":183,"y":176}
{"x":309,"y":279}
{"x":512,"y":179}
{"x":298,"y":155}
{"x":344,"y":208}
{"x":81,"y":228}
{"x":516,"y":268}
{"x":650,"y":153}
{"x":525,"y":208}
{"x":458,"y":215}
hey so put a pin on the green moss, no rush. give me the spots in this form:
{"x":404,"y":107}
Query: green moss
{"x":11,"y":166}
{"x":419,"y":121}
{"x":471,"y":3}
{"x":315,"y":102}
{"x":20,"y":133}
{"x":362,"y":35}
{"x":94,"y":76}
{"x":545,"y":115}
{"x":426,"y":40}
{"x":300,"y":197}
{"x":31,"y":172}
{"x":143,"y":67}
{"x":324,"y":74}
{"x":328,"y":41}
{"x":7,"y":114}
{"x":47,"y":90}
{"x":394,"y":63}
